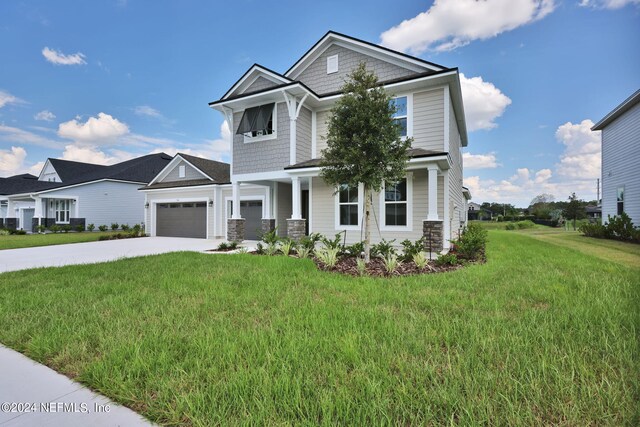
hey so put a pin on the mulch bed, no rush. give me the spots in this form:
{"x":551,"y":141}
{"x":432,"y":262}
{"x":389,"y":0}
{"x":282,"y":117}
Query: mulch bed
{"x":347,"y":265}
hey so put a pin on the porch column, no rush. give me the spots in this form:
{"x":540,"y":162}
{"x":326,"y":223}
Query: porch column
{"x":235,"y":224}
{"x":432,"y":227}
{"x":293,"y":107}
{"x":433,"y":193}
{"x":37,"y":214}
{"x":296,"y":224}
{"x":268,"y":222}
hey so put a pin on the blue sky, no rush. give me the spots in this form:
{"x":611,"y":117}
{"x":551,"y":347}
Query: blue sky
{"x":106,"y":80}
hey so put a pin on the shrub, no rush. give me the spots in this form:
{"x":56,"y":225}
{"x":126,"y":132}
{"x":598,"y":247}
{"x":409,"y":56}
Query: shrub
{"x":617,"y":227}
{"x":328,"y":256}
{"x":510,"y":226}
{"x":79,"y":228}
{"x":137,"y":230}
{"x":41,"y":228}
{"x":411,"y":248}
{"x":91,"y":227}
{"x":471,"y":244}
{"x":383,"y":249}
{"x":271,"y":237}
{"x":420,"y":260}
{"x":309,"y":242}
{"x":446,"y":259}
{"x":303,"y":252}
{"x":223,"y":246}
{"x":21,"y":232}
{"x":272,"y":249}
{"x":66,"y":228}
{"x":4,"y":232}
{"x":286,"y":246}
{"x":115,"y":226}
{"x":332,"y":243}
{"x":355,"y":250}
{"x":525,"y":224}
{"x":595,"y":230}
{"x":391,"y":262}
{"x":102,"y":228}
{"x":125,"y":227}
{"x":55,"y":228}
{"x":361,"y":266}
{"x":243,"y":250}
{"x":260,"y":249}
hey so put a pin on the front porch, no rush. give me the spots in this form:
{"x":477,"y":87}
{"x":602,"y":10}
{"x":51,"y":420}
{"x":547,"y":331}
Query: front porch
{"x":28,"y":212}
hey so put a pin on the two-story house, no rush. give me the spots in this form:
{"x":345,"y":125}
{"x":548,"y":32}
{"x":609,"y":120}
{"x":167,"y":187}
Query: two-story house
{"x":279,"y":123}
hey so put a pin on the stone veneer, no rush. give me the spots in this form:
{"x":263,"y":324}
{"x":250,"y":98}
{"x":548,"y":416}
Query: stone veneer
{"x":267,"y":226}
{"x":235,"y":230}
{"x":433,"y":235}
{"x":11,"y":223}
{"x":74,"y":222}
{"x":296,"y":228}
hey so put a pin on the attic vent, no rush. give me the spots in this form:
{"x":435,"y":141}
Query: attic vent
{"x":332,"y":64}
{"x":257,"y":121}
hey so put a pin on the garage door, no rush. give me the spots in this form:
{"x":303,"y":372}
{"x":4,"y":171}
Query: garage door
{"x":181,"y":220}
{"x":251,"y":211}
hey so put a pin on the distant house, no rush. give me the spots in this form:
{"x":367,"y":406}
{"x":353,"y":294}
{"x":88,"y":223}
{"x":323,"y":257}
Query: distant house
{"x":621,"y":159}
{"x":593,"y":212}
{"x":77,"y":193}
{"x":477,"y":212}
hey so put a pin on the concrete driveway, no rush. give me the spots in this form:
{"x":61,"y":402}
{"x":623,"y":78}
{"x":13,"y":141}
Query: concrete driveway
{"x":92,"y":252}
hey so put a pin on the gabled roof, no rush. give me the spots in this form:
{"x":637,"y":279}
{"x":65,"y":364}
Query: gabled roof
{"x":618,"y":111}
{"x":219,"y":172}
{"x":252,"y":74}
{"x":213,"y":172}
{"x":370,"y":48}
{"x":140,"y":170}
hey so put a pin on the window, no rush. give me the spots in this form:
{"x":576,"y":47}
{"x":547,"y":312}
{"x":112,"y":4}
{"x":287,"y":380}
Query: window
{"x":258,"y":123}
{"x":400,"y":116}
{"x":395,"y":204}
{"x":620,"y":200}
{"x":332,"y":64}
{"x":62,"y":210}
{"x":348,"y":205}
{"x":181,"y":171}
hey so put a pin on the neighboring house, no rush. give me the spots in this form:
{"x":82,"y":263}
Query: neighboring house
{"x":278,"y":123}
{"x":593,"y":212}
{"x":477,"y":212}
{"x":621,"y":159}
{"x":77,"y":193}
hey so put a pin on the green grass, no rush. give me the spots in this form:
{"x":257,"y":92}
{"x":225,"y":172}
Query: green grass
{"x":541,"y":334}
{"x":32,"y":240}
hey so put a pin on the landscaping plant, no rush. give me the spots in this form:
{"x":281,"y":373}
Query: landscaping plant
{"x":91,"y":227}
{"x":420,"y":260}
{"x":361,"y":266}
{"x":411,"y":248}
{"x":391,"y":262}
{"x":115,"y":226}
{"x":446,"y":259}
{"x":384,"y":248}
{"x":102,"y":228}
{"x":328,"y":256}
{"x":286,"y":246}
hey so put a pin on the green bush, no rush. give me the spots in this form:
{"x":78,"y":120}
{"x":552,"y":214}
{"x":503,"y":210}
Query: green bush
{"x":309,"y":242}
{"x":21,"y":232}
{"x":525,"y":224}
{"x":125,"y":227}
{"x":409,"y":249}
{"x":66,"y":228}
{"x":4,"y":232}
{"x":618,"y":227}
{"x":384,"y":248}
{"x":115,"y":226}
{"x":79,"y":228}
{"x":510,"y":226}
{"x":41,"y":228}
{"x":471,"y":244}
{"x":271,"y":237}
{"x":355,"y":250}
{"x":332,"y":243}
{"x":102,"y":228}
{"x":55,"y":228}
{"x":91,"y":227}
{"x":447,"y":259}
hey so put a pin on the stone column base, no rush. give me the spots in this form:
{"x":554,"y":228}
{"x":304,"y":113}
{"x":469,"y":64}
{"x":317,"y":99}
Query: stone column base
{"x":433,"y":235}
{"x":34,"y":224}
{"x":235,"y":230}
{"x":11,"y":223}
{"x":74,"y":222}
{"x":296,"y":229}
{"x":267,"y":226}
{"x":1,"y":223}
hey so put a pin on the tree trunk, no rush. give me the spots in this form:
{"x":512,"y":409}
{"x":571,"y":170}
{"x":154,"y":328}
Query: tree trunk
{"x":367,"y":230}
{"x":574,"y":224}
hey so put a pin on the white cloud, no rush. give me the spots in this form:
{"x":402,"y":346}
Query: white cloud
{"x":15,"y":135}
{"x":608,"y":4}
{"x":90,"y":154}
{"x":483,"y":102}
{"x":59,"y":58}
{"x":581,"y":158}
{"x":449,"y":24}
{"x":215,"y":149}
{"x":480,"y":161}
{"x":6,"y":98}
{"x":96,"y":130}
{"x":45,"y":115}
{"x":11,"y":161}
{"x":145,"y":110}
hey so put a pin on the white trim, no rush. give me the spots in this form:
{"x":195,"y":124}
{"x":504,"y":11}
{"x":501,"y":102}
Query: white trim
{"x":409,"y":202}
{"x":358,"y":46}
{"x":251,"y":73}
{"x":447,"y":100}
{"x":172,"y":165}
{"x":446,"y":241}
{"x":152,"y":228}
{"x":261,"y":176}
{"x":73,"y":185}
{"x":432,"y":193}
{"x":194,"y":187}
{"x":310,"y":219}
{"x":337,"y":224}
{"x":314,"y":137}
{"x":272,"y":135}
{"x":240,"y":199}
{"x":409,"y":116}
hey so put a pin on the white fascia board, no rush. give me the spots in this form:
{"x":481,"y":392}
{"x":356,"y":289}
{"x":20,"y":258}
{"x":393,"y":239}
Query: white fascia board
{"x":254,"y":72}
{"x":171,"y":166}
{"x":191,"y":187}
{"x":86,"y":183}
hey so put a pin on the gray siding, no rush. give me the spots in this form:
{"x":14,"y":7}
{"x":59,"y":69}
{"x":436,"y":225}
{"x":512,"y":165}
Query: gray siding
{"x":315,"y":75}
{"x":324,"y":206}
{"x":303,"y":135}
{"x":457,"y":210}
{"x":620,"y":164}
{"x":322,"y":117}
{"x":189,"y":173}
{"x":284,"y":207}
{"x":259,"y":84}
{"x":262,"y":156}
{"x":428,"y":120}
{"x":103,"y":203}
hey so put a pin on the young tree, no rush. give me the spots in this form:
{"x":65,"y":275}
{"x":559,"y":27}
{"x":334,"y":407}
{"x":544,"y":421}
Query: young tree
{"x":574,"y":210}
{"x":364,"y":145}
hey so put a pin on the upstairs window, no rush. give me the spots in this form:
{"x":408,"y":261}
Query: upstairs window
{"x":258,"y":122}
{"x":400,"y":116}
{"x":620,"y":200}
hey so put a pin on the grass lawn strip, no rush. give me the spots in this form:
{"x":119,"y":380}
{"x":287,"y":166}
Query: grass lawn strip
{"x":16,"y":241}
{"x":540,"y":334}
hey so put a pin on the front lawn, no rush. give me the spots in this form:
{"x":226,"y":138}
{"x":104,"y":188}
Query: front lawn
{"x":16,"y":241}
{"x":540,"y":334}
